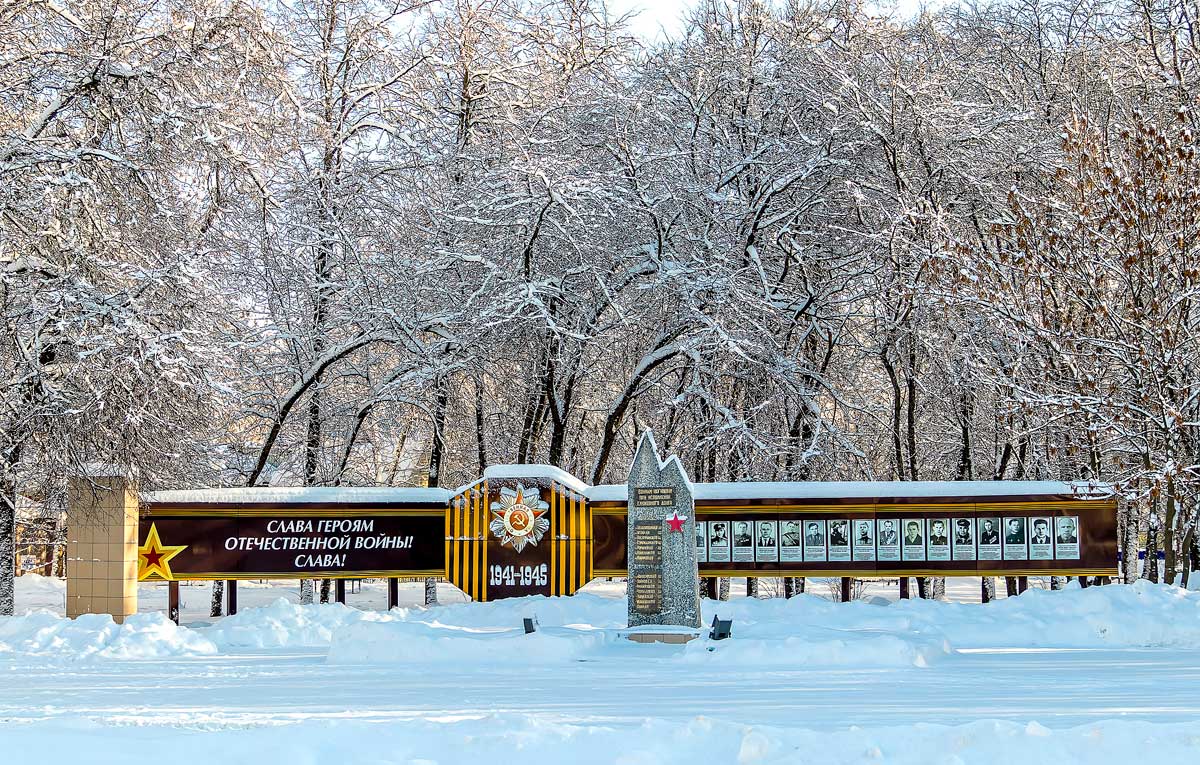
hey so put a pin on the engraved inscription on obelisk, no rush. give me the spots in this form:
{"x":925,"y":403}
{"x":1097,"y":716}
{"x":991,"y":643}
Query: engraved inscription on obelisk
{"x":664,"y":581}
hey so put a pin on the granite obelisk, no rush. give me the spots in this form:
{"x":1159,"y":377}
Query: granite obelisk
{"x":664,"y":582}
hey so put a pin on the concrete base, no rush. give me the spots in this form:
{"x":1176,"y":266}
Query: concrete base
{"x":677,"y":638}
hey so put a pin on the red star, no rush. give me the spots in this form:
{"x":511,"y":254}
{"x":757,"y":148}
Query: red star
{"x":153,"y":558}
{"x":676,"y":521}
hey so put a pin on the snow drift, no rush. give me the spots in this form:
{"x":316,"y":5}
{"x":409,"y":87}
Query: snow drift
{"x":804,"y":631}
{"x":142,"y":636}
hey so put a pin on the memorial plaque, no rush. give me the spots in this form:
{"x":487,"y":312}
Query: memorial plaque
{"x":664,"y":580}
{"x":647,"y":590}
{"x":654,"y":496}
{"x":647,"y":543}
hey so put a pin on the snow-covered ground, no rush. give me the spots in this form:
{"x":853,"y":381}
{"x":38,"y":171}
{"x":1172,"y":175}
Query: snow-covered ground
{"x":1099,"y":675}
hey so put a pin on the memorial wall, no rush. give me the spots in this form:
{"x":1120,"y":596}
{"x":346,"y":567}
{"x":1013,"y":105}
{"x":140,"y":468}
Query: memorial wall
{"x":529,"y":530}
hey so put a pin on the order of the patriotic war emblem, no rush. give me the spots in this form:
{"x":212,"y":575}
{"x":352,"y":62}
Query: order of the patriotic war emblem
{"x":518,"y":519}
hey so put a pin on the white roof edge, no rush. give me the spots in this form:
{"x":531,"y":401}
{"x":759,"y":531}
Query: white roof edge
{"x":558,"y":475}
{"x":870,"y":489}
{"x":618,"y":492}
{"x":259,"y":495}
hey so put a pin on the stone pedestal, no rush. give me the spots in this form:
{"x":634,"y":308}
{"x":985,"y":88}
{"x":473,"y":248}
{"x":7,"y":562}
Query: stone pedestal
{"x":664,"y":582}
{"x":102,"y":546}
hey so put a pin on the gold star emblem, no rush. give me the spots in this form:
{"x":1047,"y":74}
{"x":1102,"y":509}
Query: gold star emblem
{"x":154,"y":558}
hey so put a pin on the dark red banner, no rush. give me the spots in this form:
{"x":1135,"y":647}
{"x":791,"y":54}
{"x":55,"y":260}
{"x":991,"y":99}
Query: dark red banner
{"x":263,"y":546}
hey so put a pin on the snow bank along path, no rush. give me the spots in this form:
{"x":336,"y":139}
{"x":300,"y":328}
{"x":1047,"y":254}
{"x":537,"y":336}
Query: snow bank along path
{"x":805,"y":631}
{"x":804,"y":680}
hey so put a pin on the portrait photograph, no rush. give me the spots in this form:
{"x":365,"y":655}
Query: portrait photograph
{"x":988,"y":538}
{"x":814,"y":541}
{"x":791,"y":541}
{"x":839,"y":539}
{"x":1066,"y":537}
{"x":938,"y":541}
{"x":887,"y":538}
{"x":1016,"y":538}
{"x":1041,"y":539}
{"x":766,"y":541}
{"x":743,"y":541}
{"x":718,"y":541}
{"x":742,"y":535}
{"x":912,"y":539}
{"x":864,"y":539}
{"x":963,"y":540}
{"x":701,"y":541}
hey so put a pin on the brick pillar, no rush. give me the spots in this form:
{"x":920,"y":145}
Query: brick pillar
{"x":102,"y":552}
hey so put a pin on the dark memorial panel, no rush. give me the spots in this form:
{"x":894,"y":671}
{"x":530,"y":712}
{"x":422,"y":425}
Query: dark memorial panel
{"x":290,"y":546}
{"x":647,"y":597}
{"x":647,"y":543}
{"x":654,"y":496}
{"x":952,"y":539}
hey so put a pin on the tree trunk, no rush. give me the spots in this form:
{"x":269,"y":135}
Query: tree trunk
{"x":438,"y":445}
{"x":8,"y":548}
{"x":937,"y":587}
{"x":751,"y":587}
{"x":789,"y":586}
{"x":480,"y":429}
{"x":1150,"y":567}
{"x":218,"y":598}
{"x":1168,"y":535}
{"x":431,"y":591}
{"x":723,"y":588}
{"x":1010,"y":586}
{"x":989,"y":588}
{"x":923,"y":587}
{"x":325,"y":590}
{"x":306,"y":592}
{"x":1057,"y":582}
{"x":1191,"y":555}
{"x":1129,"y":547}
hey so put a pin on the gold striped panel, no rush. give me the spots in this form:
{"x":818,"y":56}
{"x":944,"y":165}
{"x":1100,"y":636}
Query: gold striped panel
{"x":571,"y":548}
{"x":466,"y":542}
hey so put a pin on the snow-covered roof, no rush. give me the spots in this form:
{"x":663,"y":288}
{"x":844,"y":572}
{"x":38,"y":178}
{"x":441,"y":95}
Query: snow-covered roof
{"x":548,"y":472}
{"x":300,"y":495}
{"x":868,"y":490}
{"x":746,"y":490}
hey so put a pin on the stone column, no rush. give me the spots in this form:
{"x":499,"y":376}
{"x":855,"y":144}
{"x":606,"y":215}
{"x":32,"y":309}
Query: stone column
{"x":664,"y":581}
{"x":102,"y":545}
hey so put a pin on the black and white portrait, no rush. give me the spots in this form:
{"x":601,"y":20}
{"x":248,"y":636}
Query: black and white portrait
{"x":1041,"y":539}
{"x":701,"y":541}
{"x":939,"y":539}
{"x":989,"y":531}
{"x":1066,"y":537}
{"x":766,"y":541}
{"x":963,"y":540}
{"x":938,"y":531}
{"x":718,"y":541}
{"x":1015,"y":538}
{"x":790,"y":542}
{"x":814,"y":541}
{"x":864,"y":539}
{"x":839,"y":539}
{"x":838,"y":533}
{"x":988,"y":538}
{"x":887,"y":538}
{"x":912,"y":541}
{"x":743,"y":541}
{"x":741,"y":534}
